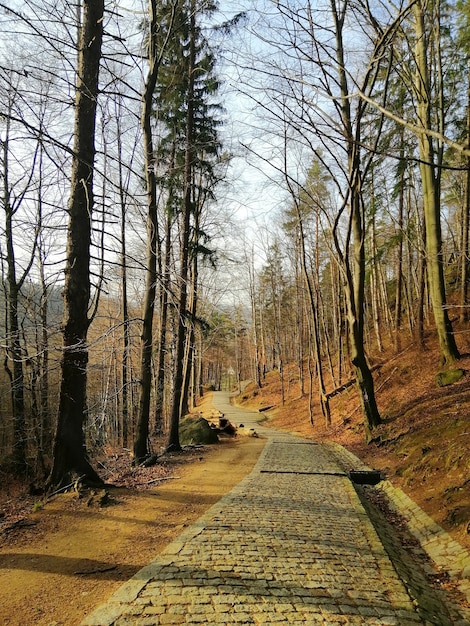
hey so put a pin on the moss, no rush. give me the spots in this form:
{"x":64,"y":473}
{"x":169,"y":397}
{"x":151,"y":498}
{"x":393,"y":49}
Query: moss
{"x":449,"y":377}
{"x":196,"y":431}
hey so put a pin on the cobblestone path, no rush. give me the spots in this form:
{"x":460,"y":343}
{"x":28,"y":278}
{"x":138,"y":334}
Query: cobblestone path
{"x":291,"y":544}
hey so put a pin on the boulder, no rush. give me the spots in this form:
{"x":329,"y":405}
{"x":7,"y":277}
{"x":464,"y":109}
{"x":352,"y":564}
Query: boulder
{"x":196,"y":431}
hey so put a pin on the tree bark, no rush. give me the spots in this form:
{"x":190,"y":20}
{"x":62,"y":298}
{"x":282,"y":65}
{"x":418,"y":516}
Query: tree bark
{"x":162,"y":344}
{"x":173,"y":438}
{"x":141,"y":446}
{"x":431,"y":194}
{"x":70,"y":454}
{"x":354,"y":269}
{"x":314,"y":326}
{"x":464,"y":262}
{"x":13,"y":343}
{"x":399,"y":270}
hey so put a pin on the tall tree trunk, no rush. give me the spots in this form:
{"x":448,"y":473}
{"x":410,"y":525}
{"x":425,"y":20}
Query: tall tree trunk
{"x":13,"y":357}
{"x":355,"y":308}
{"x":374,"y":285}
{"x":45,"y":422}
{"x":46,"y":426}
{"x":188,"y":394}
{"x":421,"y":297}
{"x":124,"y":414}
{"x":254,"y":317}
{"x":314,"y":325}
{"x":70,"y":454}
{"x":162,"y":344}
{"x":299,"y":326}
{"x":464,"y":262}
{"x":430,"y":180}
{"x":399,"y":270}
{"x":173,"y":438}
{"x":141,"y":445}
{"x":354,"y":270}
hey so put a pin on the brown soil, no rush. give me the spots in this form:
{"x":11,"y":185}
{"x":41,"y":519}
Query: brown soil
{"x":68,"y":556}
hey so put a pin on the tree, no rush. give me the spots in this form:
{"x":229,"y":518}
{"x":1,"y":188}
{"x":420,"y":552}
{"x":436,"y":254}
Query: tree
{"x":315,"y":95}
{"x":312,"y":199}
{"x":25,"y":183}
{"x":464,"y":42}
{"x":154,"y":52}
{"x":195,"y":138}
{"x":13,"y":284}
{"x":70,"y":455}
{"x":173,"y":436}
{"x":430,"y":164}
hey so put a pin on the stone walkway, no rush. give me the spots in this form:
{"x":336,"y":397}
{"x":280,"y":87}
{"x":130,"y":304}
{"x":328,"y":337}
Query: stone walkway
{"x":291,"y":544}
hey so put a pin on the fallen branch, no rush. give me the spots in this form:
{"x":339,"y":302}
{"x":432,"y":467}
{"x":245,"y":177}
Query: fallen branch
{"x":156,"y":480}
{"x":387,"y":379}
{"x":65,"y":487}
{"x":347,"y":384}
{"x":266,"y":408}
{"x":340,"y":389}
{"x":24,"y":522}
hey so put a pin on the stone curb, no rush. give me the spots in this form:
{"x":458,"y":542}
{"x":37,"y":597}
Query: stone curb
{"x":444,"y":551}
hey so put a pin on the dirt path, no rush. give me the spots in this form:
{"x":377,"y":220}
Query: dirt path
{"x":75,"y":556}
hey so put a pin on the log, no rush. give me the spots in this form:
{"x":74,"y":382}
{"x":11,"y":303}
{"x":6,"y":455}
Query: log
{"x":347,"y":384}
{"x":340,"y":389}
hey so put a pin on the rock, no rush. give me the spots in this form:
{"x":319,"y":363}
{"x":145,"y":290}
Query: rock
{"x":197,"y":431}
{"x":449,"y":377}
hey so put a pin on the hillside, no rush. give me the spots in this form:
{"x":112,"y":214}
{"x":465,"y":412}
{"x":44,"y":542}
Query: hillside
{"x":423,"y":445}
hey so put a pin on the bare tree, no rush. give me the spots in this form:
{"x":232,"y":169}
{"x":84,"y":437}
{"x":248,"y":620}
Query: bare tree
{"x":70,"y":455}
{"x":431,"y":159}
{"x":157,"y":42}
{"x":14,"y":362}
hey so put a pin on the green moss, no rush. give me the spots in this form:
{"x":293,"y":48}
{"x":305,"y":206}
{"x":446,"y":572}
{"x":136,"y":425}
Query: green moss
{"x":196,"y":430}
{"x":449,"y":377}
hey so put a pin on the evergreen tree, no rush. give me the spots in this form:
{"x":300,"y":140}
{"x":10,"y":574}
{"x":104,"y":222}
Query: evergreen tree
{"x":185,"y":154}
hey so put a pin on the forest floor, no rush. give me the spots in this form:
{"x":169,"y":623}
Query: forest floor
{"x":61,"y":558}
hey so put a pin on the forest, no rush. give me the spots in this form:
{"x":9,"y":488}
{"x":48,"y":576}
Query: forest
{"x":195,"y":194}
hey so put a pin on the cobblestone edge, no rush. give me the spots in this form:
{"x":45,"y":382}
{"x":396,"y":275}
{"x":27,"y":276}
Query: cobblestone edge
{"x":446,"y":553}
{"x":441,"y":548}
{"x":107,"y":613}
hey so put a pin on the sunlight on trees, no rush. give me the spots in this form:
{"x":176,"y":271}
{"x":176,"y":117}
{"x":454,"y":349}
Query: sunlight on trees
{"x":338,"y":130}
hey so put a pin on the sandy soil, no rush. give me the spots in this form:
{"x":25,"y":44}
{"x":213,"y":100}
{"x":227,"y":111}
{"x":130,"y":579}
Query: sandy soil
{"x":64,"y":559}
